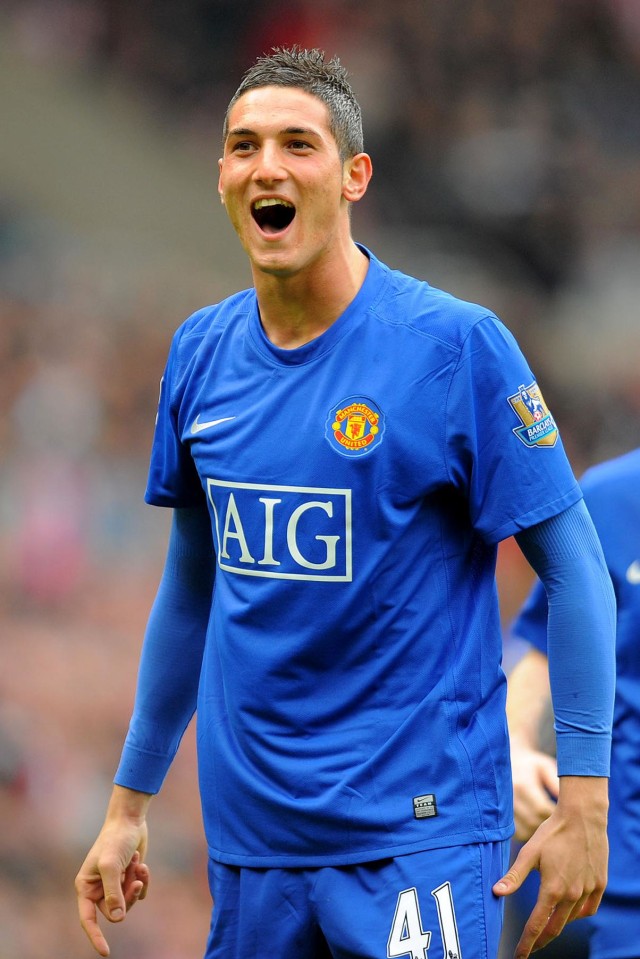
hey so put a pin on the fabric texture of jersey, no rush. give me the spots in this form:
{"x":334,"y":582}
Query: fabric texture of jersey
{"x":612,"y":494}
{"x":351,"y":701}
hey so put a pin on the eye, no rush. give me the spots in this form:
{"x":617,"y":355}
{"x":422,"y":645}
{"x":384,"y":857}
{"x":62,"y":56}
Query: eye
{"x":299,"y":146}
{"x":242,"y":146}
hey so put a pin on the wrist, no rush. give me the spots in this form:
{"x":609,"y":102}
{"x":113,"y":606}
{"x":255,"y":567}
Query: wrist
{"x":587,"y":794}
{"x":128,"y":804}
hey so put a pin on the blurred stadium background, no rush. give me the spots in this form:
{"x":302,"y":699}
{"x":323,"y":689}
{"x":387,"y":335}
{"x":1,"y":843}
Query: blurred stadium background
{"x":506,"y":145}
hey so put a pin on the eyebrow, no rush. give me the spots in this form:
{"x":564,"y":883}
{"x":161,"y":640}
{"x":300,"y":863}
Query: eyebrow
{"x":298,"y":131}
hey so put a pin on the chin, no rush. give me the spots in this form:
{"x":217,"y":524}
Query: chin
{"x":276,"y":264}
{"x":275,"y":269}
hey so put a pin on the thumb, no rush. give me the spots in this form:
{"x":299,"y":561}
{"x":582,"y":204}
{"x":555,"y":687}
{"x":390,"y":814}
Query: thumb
{"x":114,"y":904}
{"x":519,"y":870}
{"x":115,"y":908}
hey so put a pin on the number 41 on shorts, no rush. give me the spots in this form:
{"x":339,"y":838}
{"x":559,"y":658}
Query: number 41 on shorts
{"x":407,"y":936}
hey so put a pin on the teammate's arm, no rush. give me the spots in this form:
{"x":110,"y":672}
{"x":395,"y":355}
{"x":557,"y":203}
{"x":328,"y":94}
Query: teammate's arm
{"x":570,"y":848}
{"x":534,"y":771}
{"x":114,"y":875}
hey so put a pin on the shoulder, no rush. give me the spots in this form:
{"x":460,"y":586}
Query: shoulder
{"x":216,"y":315}
{"x":426,"y":310}
{"x":199,"y":334}
{"x":208,"y":323}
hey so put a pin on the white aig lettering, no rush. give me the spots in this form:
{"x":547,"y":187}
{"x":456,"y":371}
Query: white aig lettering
{"x":286,"y":532}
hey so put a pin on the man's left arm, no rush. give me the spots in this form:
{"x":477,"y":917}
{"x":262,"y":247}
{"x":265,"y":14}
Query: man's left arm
{"x":570,"y":848}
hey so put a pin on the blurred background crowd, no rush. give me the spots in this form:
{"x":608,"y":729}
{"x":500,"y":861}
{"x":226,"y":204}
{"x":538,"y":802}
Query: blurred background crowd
{"x":506,"y":145}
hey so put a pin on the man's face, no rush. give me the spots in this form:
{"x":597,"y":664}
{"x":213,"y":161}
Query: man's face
{"x":282,"y":179}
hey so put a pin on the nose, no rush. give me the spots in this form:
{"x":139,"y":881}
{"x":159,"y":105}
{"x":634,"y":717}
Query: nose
{"x":269,"y":167}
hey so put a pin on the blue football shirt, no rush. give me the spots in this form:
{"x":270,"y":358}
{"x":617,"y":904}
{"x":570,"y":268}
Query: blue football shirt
{"x":351,"y":700}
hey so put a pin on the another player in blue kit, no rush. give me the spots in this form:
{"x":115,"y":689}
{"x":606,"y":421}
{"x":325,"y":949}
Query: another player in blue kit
{"x":611,"y":492}
{"x":343,"y":448}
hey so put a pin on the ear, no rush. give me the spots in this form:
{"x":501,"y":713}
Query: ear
{"x":357,"y":172}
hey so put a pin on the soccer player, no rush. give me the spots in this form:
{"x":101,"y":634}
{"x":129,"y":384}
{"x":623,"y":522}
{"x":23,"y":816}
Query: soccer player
{"x":343,"y":447}
{"x":612,"y":494}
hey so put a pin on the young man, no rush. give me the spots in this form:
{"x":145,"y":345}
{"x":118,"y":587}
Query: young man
{"x":343,"y":448}
{"x":611,"y":491}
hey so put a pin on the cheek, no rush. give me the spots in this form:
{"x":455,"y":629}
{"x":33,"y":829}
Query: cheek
{"x":327,"y":205}
{"x":234,"y":210}
{"x":329,"y":215}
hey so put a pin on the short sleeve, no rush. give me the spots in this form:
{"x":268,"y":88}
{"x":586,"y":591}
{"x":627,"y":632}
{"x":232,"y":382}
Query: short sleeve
{"x":173,"y":479}
{"x":503,"y":446}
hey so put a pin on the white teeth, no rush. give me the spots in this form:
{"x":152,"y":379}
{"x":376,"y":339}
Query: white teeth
{"x":271,"y":201}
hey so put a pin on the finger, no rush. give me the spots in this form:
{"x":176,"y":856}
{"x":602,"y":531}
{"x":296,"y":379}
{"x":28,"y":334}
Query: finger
{"x":556,"y":922}
{"x":129,"y":876}
{"x":89,"y":922}
{"x":135,"y":881}
{"x":144,"y":876}
{"x":587,"y":906}
{"x":547,"y":922}
{"x":133,"y":894}
{"x":534,"y":930}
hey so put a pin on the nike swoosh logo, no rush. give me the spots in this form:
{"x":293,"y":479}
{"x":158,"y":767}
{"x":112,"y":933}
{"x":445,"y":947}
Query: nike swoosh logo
{"x":633,"y":573}
{"x":198,"y":427}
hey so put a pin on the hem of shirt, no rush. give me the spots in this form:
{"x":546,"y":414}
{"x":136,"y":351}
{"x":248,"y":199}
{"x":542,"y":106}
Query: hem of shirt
{"x":535,"y":516}
{"x":301,"y":861}
{"x":174,"y":502}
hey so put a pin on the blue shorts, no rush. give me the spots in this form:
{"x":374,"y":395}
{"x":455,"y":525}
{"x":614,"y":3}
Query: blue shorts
{"x":426,"y":905}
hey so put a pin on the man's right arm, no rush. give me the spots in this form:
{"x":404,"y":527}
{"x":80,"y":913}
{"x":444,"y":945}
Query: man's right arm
{"x":171,"y":659}
{"x":114,"y":875}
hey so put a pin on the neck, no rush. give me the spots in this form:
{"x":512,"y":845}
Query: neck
{"x":298,"y":308}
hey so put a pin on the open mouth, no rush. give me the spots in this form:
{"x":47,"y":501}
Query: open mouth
{"x":273,"y":215}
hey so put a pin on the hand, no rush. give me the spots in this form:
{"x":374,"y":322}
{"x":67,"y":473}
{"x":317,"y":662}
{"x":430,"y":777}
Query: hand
{"x":112,"y":879}
{"x":570,"y":850}
{"x":535,"y":789}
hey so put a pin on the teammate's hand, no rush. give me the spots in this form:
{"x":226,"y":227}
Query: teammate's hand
{"x":535,"y":789}
{"x":112,"y":879}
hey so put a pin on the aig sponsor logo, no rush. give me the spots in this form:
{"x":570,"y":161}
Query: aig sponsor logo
{"x":282,"y":532}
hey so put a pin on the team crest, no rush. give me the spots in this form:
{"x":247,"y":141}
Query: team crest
{"x":538,"y":425}
{"x":355,"y":426}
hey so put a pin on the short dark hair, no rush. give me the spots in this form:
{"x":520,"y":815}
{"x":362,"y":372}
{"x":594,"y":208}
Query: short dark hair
{"x":326,"y":79}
